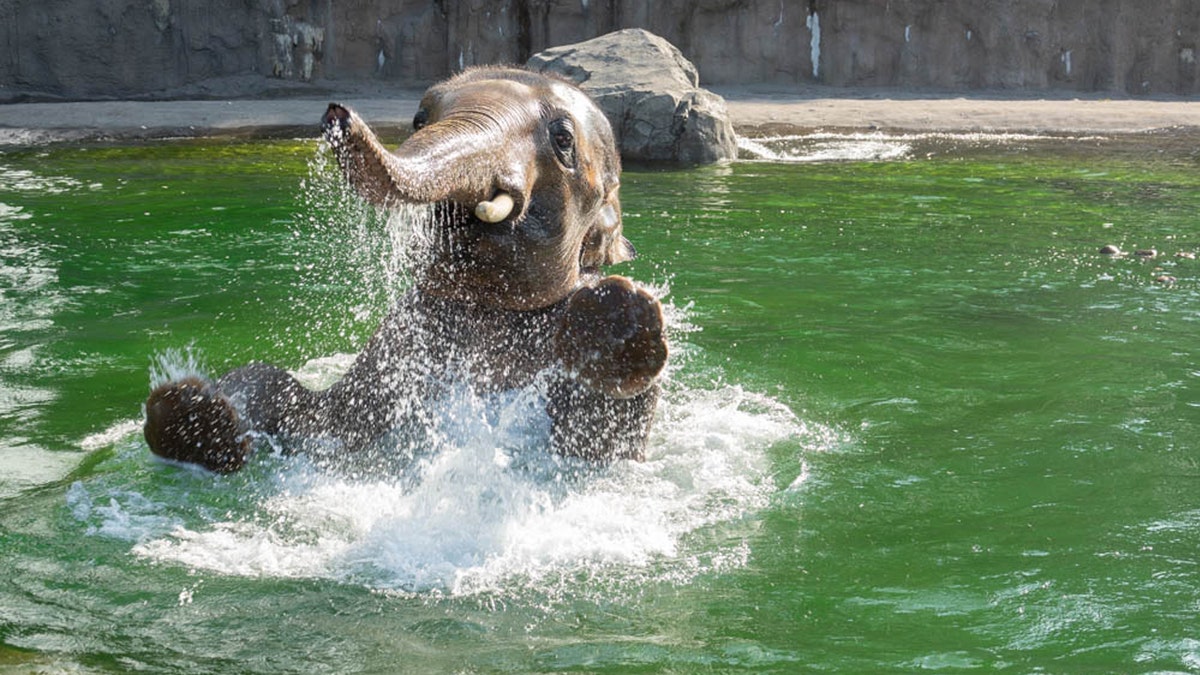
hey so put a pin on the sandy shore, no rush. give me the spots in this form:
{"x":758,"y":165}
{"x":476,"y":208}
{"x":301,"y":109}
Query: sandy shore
{"x":755,"y":111}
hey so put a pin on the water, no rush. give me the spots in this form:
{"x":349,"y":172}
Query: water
{"x":914,"y":421}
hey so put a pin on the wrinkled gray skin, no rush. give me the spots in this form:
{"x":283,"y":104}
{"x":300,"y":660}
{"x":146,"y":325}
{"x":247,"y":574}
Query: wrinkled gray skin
{"x":499,"y":303}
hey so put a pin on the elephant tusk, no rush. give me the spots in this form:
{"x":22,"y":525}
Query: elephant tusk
{"x":495,"y":210}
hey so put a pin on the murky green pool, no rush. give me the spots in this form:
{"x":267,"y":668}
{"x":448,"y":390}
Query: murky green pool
{"x":914,"y":422}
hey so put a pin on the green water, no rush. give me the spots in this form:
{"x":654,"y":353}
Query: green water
{"x":914,"y":422}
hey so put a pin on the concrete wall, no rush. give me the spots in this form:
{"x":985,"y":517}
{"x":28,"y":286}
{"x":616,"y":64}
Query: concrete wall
{"x":122,"y":48}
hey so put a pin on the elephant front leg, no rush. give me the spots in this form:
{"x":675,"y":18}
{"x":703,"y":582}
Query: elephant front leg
{"x":202,"y":422}
{"x":610,"y":341}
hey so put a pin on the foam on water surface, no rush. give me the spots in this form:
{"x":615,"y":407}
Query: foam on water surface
{"x":485,"y":507}
{"x":877,"y":146}
{"x":821,"y":147}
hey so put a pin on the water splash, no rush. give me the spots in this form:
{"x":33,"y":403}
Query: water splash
{"x":823,"y":147}
{"x":487,"y":510}
{"x":480,"y":507}
{"x":879,"y":146}
{"x":175,"y":364}
{"x":346,"y":244}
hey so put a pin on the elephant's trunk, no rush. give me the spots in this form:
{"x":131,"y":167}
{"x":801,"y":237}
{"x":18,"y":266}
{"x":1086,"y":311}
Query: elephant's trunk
{"x":459,"y":159}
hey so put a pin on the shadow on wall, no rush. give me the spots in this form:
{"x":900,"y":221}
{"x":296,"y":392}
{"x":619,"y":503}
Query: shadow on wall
{"x":130,"y":48}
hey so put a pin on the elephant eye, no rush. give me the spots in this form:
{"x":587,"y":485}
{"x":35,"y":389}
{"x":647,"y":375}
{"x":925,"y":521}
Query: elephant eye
{"x":420,"y":119}
{"x":562,"y":137}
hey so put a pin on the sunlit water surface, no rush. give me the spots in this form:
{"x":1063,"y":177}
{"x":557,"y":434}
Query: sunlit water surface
{"x":913,"y":421}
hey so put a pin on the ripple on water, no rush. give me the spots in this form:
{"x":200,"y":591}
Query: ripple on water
{"x":30,"y":298}
{"x":24,"y":180}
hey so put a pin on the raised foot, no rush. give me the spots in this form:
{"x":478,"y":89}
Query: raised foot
{"x":188,"y":420}
{"x":611,"y":337}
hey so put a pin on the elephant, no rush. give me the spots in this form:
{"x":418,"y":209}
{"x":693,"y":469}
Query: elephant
{"x":521,"y":175}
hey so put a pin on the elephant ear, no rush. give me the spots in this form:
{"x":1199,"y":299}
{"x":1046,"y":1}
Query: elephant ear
{"x":604,"y":243}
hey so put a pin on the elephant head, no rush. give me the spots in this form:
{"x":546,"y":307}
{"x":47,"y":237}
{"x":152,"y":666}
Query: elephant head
{"x":523,"y":174}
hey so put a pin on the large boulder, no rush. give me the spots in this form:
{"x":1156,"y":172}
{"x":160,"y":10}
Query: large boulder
{"x":651,"y":95}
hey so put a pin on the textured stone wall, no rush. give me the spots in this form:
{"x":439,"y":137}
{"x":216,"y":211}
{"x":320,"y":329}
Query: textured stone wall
{"x":104,"y":48}
{"x":120,"y":48}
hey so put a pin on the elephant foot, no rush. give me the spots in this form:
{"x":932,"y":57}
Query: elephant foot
{"x":611,"y":337}
{"x":188,"y":420}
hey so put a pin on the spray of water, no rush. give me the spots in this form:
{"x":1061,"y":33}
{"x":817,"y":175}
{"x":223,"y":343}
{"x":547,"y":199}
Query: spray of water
{"x":175,"y":364}
{"x":348,"y":249}
{"x":485,"y":510}
{"x":480,"y":507}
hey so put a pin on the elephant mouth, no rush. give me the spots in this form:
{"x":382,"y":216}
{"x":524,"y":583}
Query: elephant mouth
{"x":498,"y":216}
{"x":463,"y":240}
{"x":471,"y":259}
{"x":516,"y":263}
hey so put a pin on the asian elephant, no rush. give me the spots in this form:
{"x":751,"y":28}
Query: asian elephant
{"x":522,"y":175}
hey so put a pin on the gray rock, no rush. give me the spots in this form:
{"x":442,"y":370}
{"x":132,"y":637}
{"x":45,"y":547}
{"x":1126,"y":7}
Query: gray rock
{"x":651,"y":95}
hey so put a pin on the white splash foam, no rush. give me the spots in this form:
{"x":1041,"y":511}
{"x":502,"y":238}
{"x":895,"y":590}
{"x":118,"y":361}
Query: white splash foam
{"x":124,"y":514}
{"x":876,"y":146}
{"x":490,"y":506}
{"x":111,"y":435}
{"x":827,"y":148}
{"x":322,"y":372}
{"x":174,"y":364}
